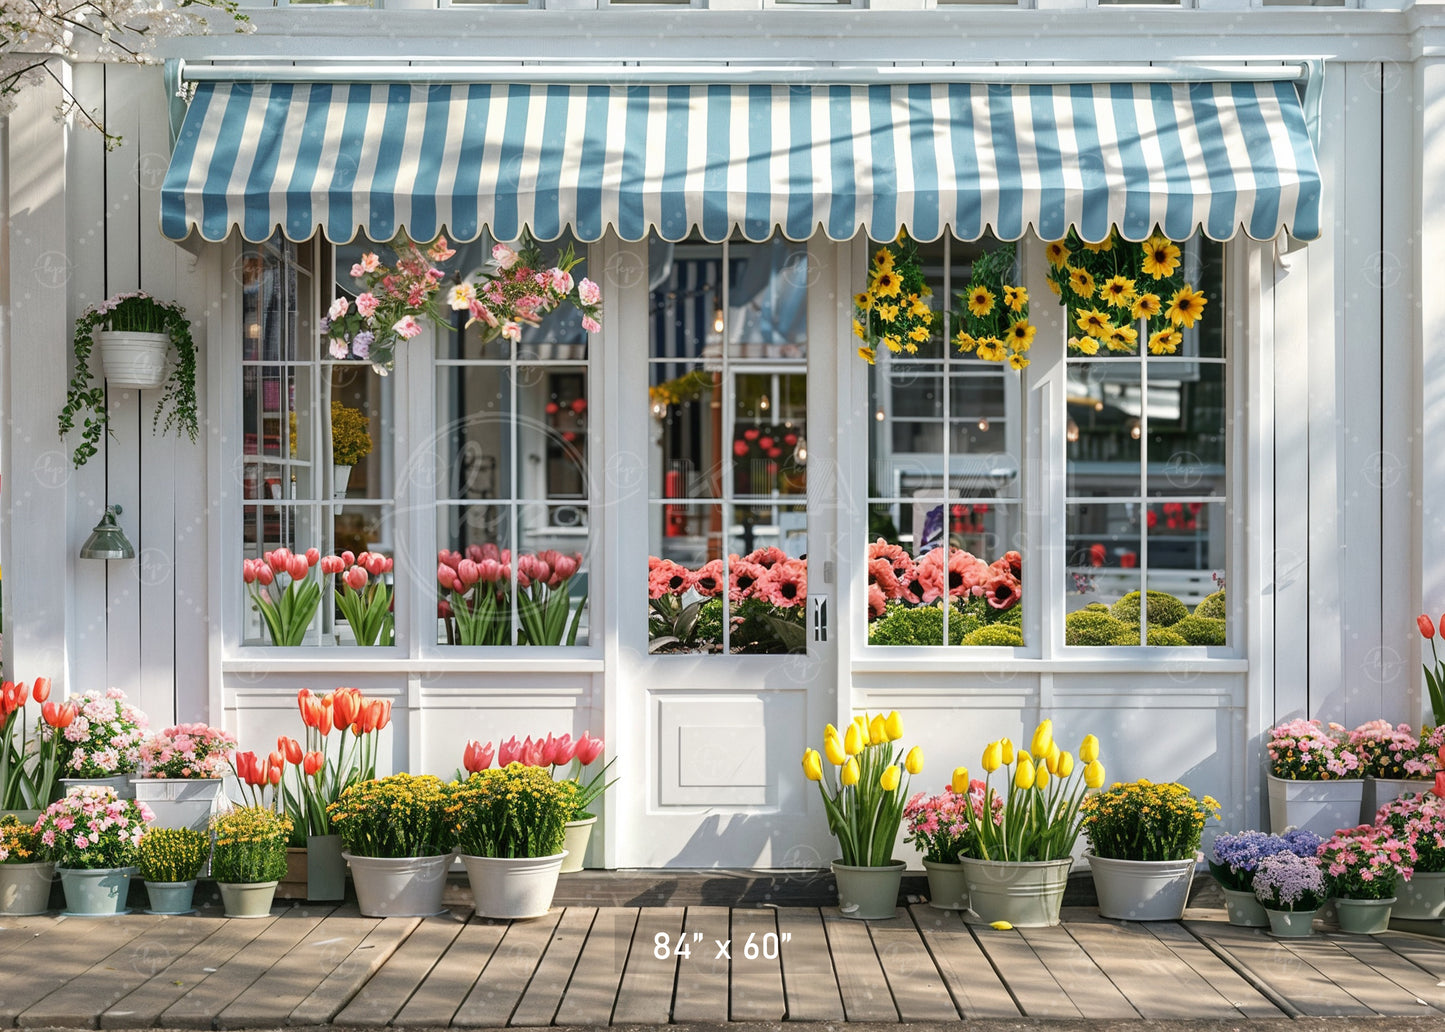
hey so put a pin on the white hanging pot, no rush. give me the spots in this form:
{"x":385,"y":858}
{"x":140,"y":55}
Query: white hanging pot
{"x":132,"y":359}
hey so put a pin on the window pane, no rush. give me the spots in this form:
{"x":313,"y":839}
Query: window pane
{"x":687,"y":426}
{"x":687,"y":579}
{"x":474,"y":432}
{"x":1187,"y":556}
{"x":687,"y":317}
{"x":1102,"y":567}
{"x":1104,"y":428}
{"x":767,"y":313}
{"x":1186,"y":427}
{"x":553,"y":574}
{"x":361,"y":423}
{"x":473,"y":604}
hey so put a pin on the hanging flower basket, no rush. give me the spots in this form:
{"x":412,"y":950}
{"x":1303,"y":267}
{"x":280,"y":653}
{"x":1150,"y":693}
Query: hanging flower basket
{"x":133,"y":359}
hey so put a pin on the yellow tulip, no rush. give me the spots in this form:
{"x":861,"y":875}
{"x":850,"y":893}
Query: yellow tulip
{"x":853,"y":741}
{"x":1041,"y":776}
{"x":877,"y":730}
{"x":833,"y":747}
{"x":849,"y":776}
{"x":1065,"y":766}
{"x":894,"y":726}
{"x":960,"y":779}
{"x":1024,"y":754}
{"x":1054,"y":753}
{"x":1089,"y":749}
{"x":1007,"y":755}
{"x":888,"y":780}
{"x":1043,"y":738}
{"x":1094,"y":773}
{"x":913,"y":762}
{"x":812,"y":765}
{"x":993,"y":756}
{"x":1024,"y":774}
{"x":1001,"y":926}
{"x":830,"y":731}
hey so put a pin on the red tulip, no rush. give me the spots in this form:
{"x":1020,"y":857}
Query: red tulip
{"x":245,"y":765}
{"x":477,"y":756}
{"x":41,"y":690}
{"x":50,"y":713}
{"x":275,"y":758}
{"x":588,"y":748}
{"x":292,"y":749}
{"x":549,"y":751}
{"x":508,"y":751}
{"x":375,"y":564}
{"x":273,"y":774}
{"x":1439,"y":788}
{"x":740,"y":448}
{"x":347,"y":702}
{"x":385,"y":717}
{"x":324,"y":724}
{"x":1427,"y":629}
{"x":312,"y":763}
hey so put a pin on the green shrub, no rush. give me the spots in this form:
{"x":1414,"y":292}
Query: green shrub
{"x":1164,"y":609}
{"x":710,"y":621}
{"x":1212,"y":607}
{"x":1096,"y":607}
{"x":250,"y":845}
{"x":1091,"y":627}
{"x":1200,"y":630}
{"x":919,"y":625}
{"x":995,"y":634}
{"x":1157,"y":636}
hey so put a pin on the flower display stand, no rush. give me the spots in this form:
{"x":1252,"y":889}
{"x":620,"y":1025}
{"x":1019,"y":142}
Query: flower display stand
{"x":1422,"y":898}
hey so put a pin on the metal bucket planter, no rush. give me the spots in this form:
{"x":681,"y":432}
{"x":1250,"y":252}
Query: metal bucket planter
{"x":408,"y":886}
{"x":1364,"y":916}
{"x":124,"y":787}
{"x":868,"y":893}
{"x":513,"y":887}
{"x":1026,"y":894}
{"x":1291,"y":924}
{"x":98,"y":892}
{"x":1141,"y":890}
{"x":181,"y":802}
{"x":1422,"y":898}
{"x":574,"y":843}
{"x":171,"y":897}
{"x":133,"y":359}
{"x":947,"y":886}
{"x":1318,"y":806}
{"x":247,"y":899}
{"x":25,"y":888}
{"x":1243,"y":909}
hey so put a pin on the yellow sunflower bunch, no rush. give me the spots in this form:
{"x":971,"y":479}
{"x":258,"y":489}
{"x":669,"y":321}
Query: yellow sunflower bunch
{"x":992,"y":316}
{"x":893,"y":312}
{"x":1110,"y":286}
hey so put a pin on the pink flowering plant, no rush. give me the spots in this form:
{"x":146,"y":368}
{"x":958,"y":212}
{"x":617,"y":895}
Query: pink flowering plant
{"x":518,"y":288}
{"x":1419,"y":821}
{"x":363,"y":596}
{"x":1366,"y":862}
{"x":391,"y":304}
{"x":1287,"y":881}
{"x":940,"y":825}
{"x":284,"y":592}
{"x":551,"y":752}
{"x":478,"y":602}
{"x":92,"y":827}
{"x":1389,"y":751}
{"x":104,"y":739}
{"x":759,"y":597}
{"x":1305,"y":750}
{"x":904,"y":595}
{"x":187,"y":751}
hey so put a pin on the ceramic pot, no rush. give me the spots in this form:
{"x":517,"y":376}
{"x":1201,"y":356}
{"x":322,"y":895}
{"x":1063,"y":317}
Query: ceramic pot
{"x":1422,"y":898}
{"x":132,"y":359}
{"x":947,"y":886}
{"x":1142,"y":890}
{"x":1026,"y":894}
{"x":181,"y":802}
{"x":1364,"y":916}
{"x":247,"y":899}
{"x":513,"y":887}
{"x":340,"y":480}
{"x":408,"y":886}
{"x":174,"y":897}
{"x":98,"y":892}
{"x":574,"y":843}
{"x":1244,"y":909}
{"x":1318,"y":806}
{"x":868,"y":893}
{"x":25,"y":888}
{"x":1291,"y":924}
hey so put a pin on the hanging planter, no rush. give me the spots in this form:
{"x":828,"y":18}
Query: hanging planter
{"x":133,"y":359}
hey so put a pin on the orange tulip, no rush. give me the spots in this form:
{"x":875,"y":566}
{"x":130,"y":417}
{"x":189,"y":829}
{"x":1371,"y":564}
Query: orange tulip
{"x":385,"y":714}
{"x":291,"y":748}
{"x":50,"y":713}
{"x":68,"y":712}
{"x":1427,"y":629}
{"x":41,"y":689}
{"x":323,"y":724}
{"x":275,"y":759}
{"x":273,"y":775}
{"x":312,"y":763}
{"x":344,"y":708}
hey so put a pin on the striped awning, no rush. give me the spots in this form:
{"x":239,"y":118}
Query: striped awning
{"x":970,"y":158}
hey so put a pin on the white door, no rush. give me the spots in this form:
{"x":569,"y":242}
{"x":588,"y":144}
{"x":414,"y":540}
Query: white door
{"x":725,"y":663}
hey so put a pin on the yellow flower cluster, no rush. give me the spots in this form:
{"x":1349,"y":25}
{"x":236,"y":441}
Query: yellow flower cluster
{"x":512,"y":811}
{"x":250,"y":824}
{"x":992,"y":316}
{"x":18,"y":842}
{"x":172,"y":854}
{"x":864,"y":797}
{"x":1142,"y":820}
{"x":681,"y":389}
{"x":397,"y":816}
{"x":893,"y":312}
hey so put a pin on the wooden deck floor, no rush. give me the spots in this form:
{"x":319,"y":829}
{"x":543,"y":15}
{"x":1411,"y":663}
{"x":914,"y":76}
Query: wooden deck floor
{"x":580,"y":965}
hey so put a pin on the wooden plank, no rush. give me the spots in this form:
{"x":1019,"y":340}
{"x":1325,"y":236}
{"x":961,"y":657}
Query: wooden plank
{"x":1227,"y":982}
{"x":1158,"y":984}
{"x":810,"y":986}
{"x":82,"y":1000}
{"x":143,"y":1007}
{"x":1267,"y":961}
{"x":354,"y":971}
{"x":970,"y":979}
{"x":1029,"y":980}
{"x":392,"y":985}
{"x":866,"y":996}
{"x":1371,"y":988}
{"x":451,"y":978}
{"x":199,"y":1007}
{"x":918,"y":989}
{"x":271,"y":998}
{"x":1423,"y":953}
{"x":645,"y":997}
{"x":592,"y":992}
{"x":702,"y":979}
{"x":540,"y":1002}
{"x":53,"y":960}
{"x":1412,"y":978}
{"x":20,"y":932}
{"x":756,"y":993}
{"x":505,"y":979}
{"x":1075,"y":970}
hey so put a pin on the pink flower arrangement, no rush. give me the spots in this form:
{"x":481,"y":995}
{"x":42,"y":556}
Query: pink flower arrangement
{"x":386,"y":309}
{"x":941,"y":572}
{"x":104,"y":738}
{"x":1389,"y":751}
{"x":187,"y":751}
{"x":518,"y":291}
{"x":479,"y":603}
{"x":939,"y":824}
{"x":92,"y":827}
{"x":1366,"y":862}
{"x":1418,"y":820}
{"x":1305,"y":750}
{"x":553,"y":751}
{"x":362,"y":594}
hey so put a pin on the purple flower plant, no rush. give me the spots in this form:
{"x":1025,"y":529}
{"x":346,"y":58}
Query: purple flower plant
{"x":1236,"y":857}
{"x":1286,"y":881}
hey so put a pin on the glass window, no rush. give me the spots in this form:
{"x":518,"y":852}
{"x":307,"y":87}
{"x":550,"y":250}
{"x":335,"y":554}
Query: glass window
{"x":944,"y":513}
{"x":727,"y":471}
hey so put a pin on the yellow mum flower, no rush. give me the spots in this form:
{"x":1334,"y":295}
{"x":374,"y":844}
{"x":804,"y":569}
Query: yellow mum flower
{"x":1118,"y":291}
{"x":1081,"y":282}
{"x":1016,"y":298}
{"x":1161,"y":257}
{"x":1018,"y":361}
{"x":888,"y":312}
{"x":1084,"y":345}
{"x":1057,"y":253}
{"x":918,"y":333}
{"x":892,"y":343}
{"x":887,"y":284}
{"x":1146,"y":306}
{"x":964,"y":341}
{"x":1021,"y":335}
{"x":1165,"y":342}
{"x":1094,"y":322}
{"x":980,"y":301}
{"x":1123,"y":338}
{"x":867,"y":354}
{"x":1186,"y":306}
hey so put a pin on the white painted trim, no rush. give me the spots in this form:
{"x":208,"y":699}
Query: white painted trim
{"x":1196,"y":663}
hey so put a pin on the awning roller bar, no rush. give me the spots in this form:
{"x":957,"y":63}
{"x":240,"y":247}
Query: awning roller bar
{"x":702,"y":73}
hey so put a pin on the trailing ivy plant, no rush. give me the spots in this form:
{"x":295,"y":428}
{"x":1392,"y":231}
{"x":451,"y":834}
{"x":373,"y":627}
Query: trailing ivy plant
{"x":136,"y":312}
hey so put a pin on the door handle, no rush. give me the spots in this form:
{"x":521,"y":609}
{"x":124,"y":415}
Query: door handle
{"x":818,"y":613}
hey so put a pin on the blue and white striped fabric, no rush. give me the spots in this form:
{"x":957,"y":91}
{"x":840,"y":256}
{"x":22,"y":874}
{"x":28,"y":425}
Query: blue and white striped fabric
{"x":970,"y":158}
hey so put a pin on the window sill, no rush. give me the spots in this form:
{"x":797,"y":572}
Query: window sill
{"x":367,"y":661}
{"x":911,"y":660}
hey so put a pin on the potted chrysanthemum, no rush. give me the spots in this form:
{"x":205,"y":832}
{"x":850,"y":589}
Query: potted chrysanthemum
{"x":249,"y":858}
{"x":1315,"y":779}
{"x":170,"y":860}
{"x":1364,"y":865}
{"x":1419,"y":821}
{"x":398,"y":841}
{"x":100,"y":747}
{"x":93,"y":836}
{"x":25,"y":875}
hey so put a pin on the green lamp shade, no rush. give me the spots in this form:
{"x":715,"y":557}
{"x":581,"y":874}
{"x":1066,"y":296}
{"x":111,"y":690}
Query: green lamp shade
{"x":107,"y":540}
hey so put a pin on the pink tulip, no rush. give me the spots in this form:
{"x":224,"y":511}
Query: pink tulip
{"x":297,"y":567}
{"x":348,"y":558}
{"x":387,"y":564}
{"x":477,"y":756}
{"x":450,"y":559}
{"x":278,"y":560}
{"x":248,"y":572}
{"x":356,"y":578}
{"x":564,"y":567}
{"x":549,"y":751}
{"x":332,"y":564}
{"x":313,"y":556}
{"x":507,"y":752}
{"x":375,"y":564}
{"x":588,"y":748}
{"x":532,"y":753}
{"x":476,"y":553}
{"x":490,"y":571}
{"x":264,"y":576}
{"x":469,"y":573}
{"x":566,"y":749}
